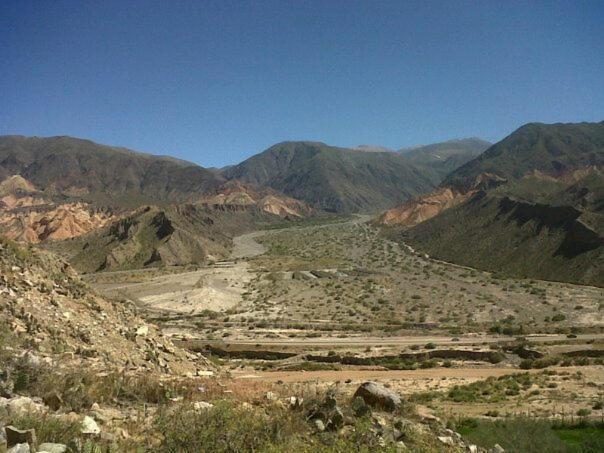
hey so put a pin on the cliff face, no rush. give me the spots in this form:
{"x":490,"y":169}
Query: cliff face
{"x":28,"y":215}
{"x":237,"y":194}
{"x":422,"y":208}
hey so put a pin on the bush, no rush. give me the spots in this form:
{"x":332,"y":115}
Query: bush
{"x":225,"y":428}
{"x":49,"y":428}
{"x":526,"y":364}
{"x":517,"y":434}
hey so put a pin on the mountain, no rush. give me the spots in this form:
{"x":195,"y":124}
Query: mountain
{"x":532,"y":205}
{"x":162,"y":236}
{"x":99,"y":173}
{"x":236,"y":193}
{"x":548,"y":148}
{"x":334,"y":179}
{"x":516,"y":237}
{"x":373,"y":149}
{"x":442,"y":158}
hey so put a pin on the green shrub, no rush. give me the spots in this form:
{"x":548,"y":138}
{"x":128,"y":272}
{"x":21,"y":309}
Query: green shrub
{"x":516,"y":435}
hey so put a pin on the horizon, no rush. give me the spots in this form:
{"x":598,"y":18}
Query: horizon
{"x":214,"y":83}
{"x":352,"y":148}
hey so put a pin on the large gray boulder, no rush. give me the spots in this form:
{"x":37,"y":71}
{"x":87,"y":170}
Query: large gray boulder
{"x":378,"y":396}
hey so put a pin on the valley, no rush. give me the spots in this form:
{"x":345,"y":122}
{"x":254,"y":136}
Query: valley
{"x":275,"y":292}
{"x":304,"y":226}
{"x":339,"y":303}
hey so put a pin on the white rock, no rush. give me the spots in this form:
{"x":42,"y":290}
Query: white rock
{"x":19,"y":448}
{"x":202,"y":405}
{"x":473,"y":449}
{"x":52,"y":448}
{"x":21,"y":405}
{"x":89,"y":426}
{"x":270,"y":396}
{"x":142,"y":330}
{"x":447,"y":440}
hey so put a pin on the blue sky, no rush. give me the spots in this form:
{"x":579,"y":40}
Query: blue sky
{"x":215,"y":82}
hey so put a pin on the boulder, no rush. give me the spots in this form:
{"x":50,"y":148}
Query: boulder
{"x":19,"y":406}
{"x":497,"y":449}
{"x":378,"y":396}
{"x":19,"y":448}
{"x":89,"y":426}
{"x":15,"y":436}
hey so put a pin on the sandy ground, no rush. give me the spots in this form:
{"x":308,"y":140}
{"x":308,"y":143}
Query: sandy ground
{"x":245,"y":246}
{"x":215,"y":288}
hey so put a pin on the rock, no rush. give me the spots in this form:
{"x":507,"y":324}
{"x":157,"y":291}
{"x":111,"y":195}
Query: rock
{"x":205,"y":373}
{"x":19,"y":448}
{"x":319,"y":424}
{"x":21,"y":405}
{"x":295,"y":402}
{"x":202,"y":405}
{"x":270,"y":396}
{"x":473,"y":449}
{"x":89,"y":426}
{"x":497,"y":449}
{"x":16,"y":436}
{"x":377,"y":395}
{"x":142,"y":330}
{"x":52,"y":448}
{"x":447,"y":440}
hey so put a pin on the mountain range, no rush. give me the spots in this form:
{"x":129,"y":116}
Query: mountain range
{"x":532,"y":205}
{"x":365,"y":179}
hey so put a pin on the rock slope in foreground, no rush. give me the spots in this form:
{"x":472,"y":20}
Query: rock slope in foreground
{"x":44,"y":301}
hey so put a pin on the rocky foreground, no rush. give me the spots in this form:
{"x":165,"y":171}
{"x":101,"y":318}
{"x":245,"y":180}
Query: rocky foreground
{"x":81,"y":373}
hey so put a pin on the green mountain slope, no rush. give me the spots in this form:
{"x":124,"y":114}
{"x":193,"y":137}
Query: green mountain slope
{"x":549,"y":148}
{"x":516,"y":238}
{"x":102,"y":173}
{"x":335,"y":179}
{"x":546,"y":221}
{"x":442,"y":158}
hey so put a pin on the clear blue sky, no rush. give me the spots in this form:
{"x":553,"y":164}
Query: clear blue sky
{"x":215,"y":82}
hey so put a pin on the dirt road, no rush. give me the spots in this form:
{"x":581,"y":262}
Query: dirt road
{"x":245,"y":246}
